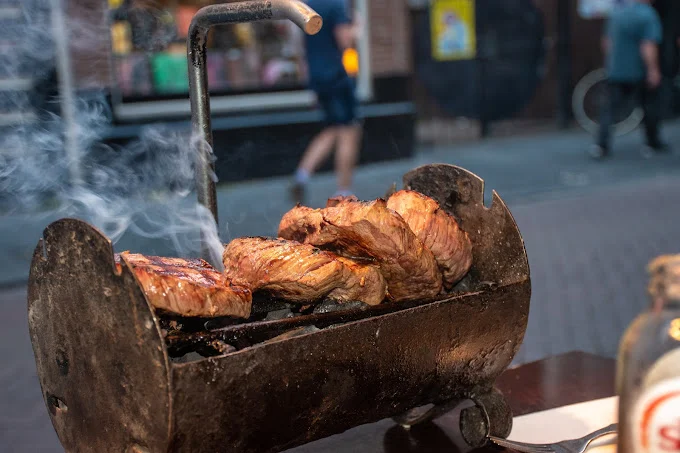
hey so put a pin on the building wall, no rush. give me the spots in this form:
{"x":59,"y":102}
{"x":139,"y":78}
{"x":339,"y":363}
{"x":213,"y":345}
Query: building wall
{"x":90,"y":43}
{"x":585,"y":52}
{"x":390,"y":37}
{"x":389,"y":33}
{"x":586,"y":55}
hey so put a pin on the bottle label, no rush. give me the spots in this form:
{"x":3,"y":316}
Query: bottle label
{"x":657,"y":418}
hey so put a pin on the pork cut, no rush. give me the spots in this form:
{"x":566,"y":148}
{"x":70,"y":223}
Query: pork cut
{"x":188,"y":287}
{"x":300,"y":272}
{"x":369,"y":231}
{"x":438,"y":230}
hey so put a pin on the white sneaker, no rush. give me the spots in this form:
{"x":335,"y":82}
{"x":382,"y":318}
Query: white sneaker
{"x":647,"y":152}
{"x":597,"y":152}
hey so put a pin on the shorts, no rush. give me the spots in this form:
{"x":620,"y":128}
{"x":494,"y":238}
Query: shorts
{"x":338,"y":103}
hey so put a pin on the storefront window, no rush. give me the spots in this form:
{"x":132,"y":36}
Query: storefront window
{"x":254,"y":66}
{"x":149,"y":51}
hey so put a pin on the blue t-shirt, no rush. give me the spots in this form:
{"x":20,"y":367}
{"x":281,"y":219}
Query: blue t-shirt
{"x":627,"y":28}
{"x":324,"y":57}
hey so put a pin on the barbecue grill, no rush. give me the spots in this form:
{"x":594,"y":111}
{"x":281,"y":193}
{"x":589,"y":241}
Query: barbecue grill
{"x":117,"y":375}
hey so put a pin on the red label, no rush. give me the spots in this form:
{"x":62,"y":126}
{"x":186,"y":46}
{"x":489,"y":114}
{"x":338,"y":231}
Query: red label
{"x":670,"y":436}
{"x":657,"y":418}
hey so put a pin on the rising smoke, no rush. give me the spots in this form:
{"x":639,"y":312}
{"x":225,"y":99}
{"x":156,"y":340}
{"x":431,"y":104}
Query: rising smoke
{"x":144,"y":188}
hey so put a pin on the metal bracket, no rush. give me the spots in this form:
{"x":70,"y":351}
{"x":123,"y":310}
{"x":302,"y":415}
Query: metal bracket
{"x":226,"y":13}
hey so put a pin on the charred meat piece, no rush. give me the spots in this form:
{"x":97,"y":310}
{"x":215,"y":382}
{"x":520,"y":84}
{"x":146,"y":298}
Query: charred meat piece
{"x":438,"y":230}
{"x":300,"y":273}
{"x":372,"y":231}
{"x":365,"y":283}
{"x":301,"y":223}
{"x":334,"y":202}
{"x":188,"y":287}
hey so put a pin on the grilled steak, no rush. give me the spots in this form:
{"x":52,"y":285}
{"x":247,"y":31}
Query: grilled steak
{"x":303,"y":224}
{"x":369,"y":230}
{"x":300,"y":272}
{"x":365,"y":284}
{"x":334,"y":202}
{"x":438,"y":230}
{"x":188,"y":287}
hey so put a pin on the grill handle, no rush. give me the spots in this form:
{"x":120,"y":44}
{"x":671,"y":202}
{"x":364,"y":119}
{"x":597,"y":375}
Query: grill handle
{"x":226,"y":13}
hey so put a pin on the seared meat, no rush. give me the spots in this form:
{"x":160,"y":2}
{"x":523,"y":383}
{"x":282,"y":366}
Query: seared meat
{"x":365,"y":284}
{"x":438,"y":230}
{"x":334,"y":202}
{"x":188,"y":287}
{"x":300,"y":272}
{"x":300,"y":223}
{"x":369,"y":230}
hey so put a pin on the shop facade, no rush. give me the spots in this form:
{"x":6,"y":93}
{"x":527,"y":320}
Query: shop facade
{"x":263,"y":115}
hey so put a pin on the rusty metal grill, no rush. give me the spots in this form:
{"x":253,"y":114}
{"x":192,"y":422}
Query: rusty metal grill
{"x":117,"y":375}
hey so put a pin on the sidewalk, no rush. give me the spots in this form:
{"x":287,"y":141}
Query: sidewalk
{"x":520,"y":169}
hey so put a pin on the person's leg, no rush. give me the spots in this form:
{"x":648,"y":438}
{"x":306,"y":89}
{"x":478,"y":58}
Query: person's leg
{"x":349,"y":140}
{"x":349,"y":137}
{"x":318,"y":150}
{"x":651,"y":104}
{"x":610,"y":104}
{"x":666,"y":98}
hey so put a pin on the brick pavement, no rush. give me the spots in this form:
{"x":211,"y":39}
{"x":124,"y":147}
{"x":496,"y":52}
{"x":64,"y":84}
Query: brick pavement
{"x":587,"y":255}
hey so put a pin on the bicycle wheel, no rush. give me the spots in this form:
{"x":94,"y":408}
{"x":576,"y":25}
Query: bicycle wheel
{"x":587,"y":98}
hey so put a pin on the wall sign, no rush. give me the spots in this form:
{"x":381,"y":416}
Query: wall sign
{"x":453,"y":30}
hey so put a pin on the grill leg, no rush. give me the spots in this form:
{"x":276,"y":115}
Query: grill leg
{"x":491,"y":415}
{"x":425,"y":413}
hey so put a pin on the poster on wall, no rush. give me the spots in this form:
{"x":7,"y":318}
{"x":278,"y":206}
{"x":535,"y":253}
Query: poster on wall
{"x":452,"y":23}
{"x":596,"y":9}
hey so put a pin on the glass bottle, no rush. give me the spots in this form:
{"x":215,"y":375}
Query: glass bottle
{"x":648,"y":369}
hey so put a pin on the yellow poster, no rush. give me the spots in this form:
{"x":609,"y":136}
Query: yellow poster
{"x":453,"y":29}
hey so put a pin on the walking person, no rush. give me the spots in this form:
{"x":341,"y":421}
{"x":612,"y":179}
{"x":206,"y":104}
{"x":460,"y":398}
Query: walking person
{"x":633,"y":33}
{"x":335,"y":94}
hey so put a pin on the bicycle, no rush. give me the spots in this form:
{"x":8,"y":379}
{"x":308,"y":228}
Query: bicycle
{"x":587,"y":98}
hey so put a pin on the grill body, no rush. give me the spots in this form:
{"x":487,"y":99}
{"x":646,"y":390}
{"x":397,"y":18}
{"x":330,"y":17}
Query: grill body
{"x":109,"y":384}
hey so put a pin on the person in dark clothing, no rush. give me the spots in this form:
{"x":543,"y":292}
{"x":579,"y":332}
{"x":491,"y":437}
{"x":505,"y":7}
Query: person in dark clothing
{"x":335,"y":94}
{"x":631,"y":46}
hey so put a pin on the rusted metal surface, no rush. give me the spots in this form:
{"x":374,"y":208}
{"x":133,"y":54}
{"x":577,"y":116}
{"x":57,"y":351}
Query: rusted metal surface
{"x":226,"y":13}
{"x":490,"y":415}
{"x":109,"y":385}
{"x":101,"y":361}
{"x":287,"y":393}
{"x":498,"y":248}
{"x":258,"y":331}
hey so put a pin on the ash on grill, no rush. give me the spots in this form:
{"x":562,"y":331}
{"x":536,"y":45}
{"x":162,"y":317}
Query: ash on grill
{"x":198,"y":336}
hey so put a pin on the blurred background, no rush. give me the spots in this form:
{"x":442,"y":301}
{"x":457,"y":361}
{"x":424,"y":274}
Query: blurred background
{"x":94,"y":123}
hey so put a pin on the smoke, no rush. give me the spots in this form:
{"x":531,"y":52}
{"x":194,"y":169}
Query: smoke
{"x":144,"y":188}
